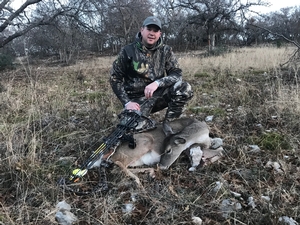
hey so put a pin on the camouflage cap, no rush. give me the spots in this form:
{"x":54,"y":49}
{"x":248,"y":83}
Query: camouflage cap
{"x":152,"y":20}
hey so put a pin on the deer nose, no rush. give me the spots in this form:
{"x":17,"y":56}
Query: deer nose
{"x":163,"y":167}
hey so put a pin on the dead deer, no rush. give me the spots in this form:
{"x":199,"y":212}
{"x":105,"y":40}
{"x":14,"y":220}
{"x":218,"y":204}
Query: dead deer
{"x":154,"y":147}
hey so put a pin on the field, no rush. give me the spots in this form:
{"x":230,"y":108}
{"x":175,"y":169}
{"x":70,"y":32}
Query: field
{"x":52,"y":117}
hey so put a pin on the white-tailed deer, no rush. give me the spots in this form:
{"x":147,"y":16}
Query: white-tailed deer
{"x":154,"y":147}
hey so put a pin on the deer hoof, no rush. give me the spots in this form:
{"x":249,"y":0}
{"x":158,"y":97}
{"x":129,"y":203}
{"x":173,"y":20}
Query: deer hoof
{"x":192,"y":169}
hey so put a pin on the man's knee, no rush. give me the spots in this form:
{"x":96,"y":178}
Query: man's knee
{"x":183,"y":90}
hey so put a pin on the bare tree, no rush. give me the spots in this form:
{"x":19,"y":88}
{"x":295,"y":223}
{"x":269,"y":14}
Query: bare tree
{"x":50,"y":26}
{"x":124,"y":20}
{"x":285,"y":31}
{"x":216,"y":16}
{"x":176,"y":31}
{"x":17,"y":22}
{"x":64,"y":27}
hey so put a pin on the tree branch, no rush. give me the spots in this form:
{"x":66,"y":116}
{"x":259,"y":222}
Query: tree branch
{"x":277,"y":34}
{"x":295,"y":54}
{"x":3,"y":3}
{"x":17,"y":13}
{"x":19,"y":33}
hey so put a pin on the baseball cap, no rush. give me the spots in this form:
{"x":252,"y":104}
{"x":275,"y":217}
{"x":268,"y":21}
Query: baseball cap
{"x":152,"y":20}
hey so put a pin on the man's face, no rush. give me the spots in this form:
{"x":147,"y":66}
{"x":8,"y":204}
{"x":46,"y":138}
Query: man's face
{"x":150,"y":35}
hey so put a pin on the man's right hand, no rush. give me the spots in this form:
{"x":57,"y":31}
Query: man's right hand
{"x":133,"y":106}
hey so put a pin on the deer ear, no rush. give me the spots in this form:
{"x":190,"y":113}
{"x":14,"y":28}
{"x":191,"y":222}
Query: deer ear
{"x":179,"y":140}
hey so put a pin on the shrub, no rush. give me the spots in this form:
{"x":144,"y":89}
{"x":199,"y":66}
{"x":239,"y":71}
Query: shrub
{"x":6,"y":62}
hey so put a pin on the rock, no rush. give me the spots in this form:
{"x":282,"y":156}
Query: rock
{"x":228,"y":206}
{"x":63,"y":215}
{"x":216,"y":143}
{"x":209,"y":118}
{"x":254,"y":148}
{"x":285,"y":220}
{"x":197,"y":220}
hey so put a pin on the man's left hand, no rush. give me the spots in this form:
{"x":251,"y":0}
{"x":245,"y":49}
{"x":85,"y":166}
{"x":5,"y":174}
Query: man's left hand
{"x":149,"y":89}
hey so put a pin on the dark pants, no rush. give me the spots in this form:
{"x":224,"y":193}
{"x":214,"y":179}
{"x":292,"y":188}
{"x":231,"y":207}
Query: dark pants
{"x":174,"y":97}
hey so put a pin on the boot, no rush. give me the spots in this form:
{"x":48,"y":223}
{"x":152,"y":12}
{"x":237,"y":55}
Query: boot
{"x":167,"y":129}
{"x":180,"y":94}
{"x":174,"y":111}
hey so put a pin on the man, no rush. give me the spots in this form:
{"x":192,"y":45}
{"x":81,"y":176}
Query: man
{"x":146,"y":75}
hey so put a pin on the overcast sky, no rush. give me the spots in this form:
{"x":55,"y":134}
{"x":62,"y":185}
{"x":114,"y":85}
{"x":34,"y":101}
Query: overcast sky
{"x":277,"y":5}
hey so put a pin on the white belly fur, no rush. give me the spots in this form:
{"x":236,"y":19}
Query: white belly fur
{"x":150,"y":158}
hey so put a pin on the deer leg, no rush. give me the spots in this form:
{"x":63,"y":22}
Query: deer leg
{"x":129,"y":173}
{"x":195,"y":155}
{"x":143,"y":170}
{"x":212,"y":155}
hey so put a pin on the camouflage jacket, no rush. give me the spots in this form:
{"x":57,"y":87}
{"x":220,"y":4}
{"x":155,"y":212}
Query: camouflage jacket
{"x":136,"y":67}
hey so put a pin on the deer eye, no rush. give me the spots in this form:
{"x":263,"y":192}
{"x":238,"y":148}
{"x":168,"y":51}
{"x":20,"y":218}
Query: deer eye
{"x":179,"y":141}
{"x":169,"y":151}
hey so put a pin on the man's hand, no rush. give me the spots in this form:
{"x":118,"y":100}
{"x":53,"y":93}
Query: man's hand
{"x":149,"y":89}
{"x":133,"y":106}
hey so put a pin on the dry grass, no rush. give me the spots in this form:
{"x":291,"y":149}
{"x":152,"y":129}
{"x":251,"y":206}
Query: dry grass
{"x":48,"y":112}
{"x":236,"y":61}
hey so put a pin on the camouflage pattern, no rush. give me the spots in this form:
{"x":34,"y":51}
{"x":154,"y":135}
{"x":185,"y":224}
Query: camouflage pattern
{"x":137,"y":66}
